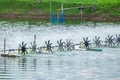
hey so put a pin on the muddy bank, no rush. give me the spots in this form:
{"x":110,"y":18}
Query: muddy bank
{"x":67,"y":17}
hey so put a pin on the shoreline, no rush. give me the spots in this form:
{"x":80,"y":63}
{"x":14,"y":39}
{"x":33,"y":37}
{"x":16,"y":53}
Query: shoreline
{"x":67,"y":17}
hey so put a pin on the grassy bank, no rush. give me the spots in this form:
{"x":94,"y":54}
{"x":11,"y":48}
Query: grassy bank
{"x":105,"y":8}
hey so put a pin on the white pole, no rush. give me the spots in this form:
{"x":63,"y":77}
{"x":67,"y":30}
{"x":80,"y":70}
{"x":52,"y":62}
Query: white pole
{"x":62,"y":6}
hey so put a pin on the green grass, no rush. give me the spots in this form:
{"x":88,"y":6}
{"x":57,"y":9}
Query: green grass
{"x":103,"y":7}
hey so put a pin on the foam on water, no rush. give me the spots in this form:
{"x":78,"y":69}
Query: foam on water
{"x":18,"y":32}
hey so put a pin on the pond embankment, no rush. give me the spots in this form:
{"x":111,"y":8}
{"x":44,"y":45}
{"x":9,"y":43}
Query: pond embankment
{"x":67,"y":17}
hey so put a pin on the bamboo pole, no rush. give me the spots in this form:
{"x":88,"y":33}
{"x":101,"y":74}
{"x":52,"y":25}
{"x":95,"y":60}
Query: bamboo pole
{"x":73,"y":8}
{"x":4,"y":45}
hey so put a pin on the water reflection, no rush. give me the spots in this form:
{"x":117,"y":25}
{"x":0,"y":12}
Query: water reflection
{"x":23,"y":64}
{"x":70,"y":66}
{"x":5,"y":63}
{"x":34,"y":64}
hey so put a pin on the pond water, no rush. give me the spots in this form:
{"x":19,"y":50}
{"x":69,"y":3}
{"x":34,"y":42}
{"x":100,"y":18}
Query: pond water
{"x":68,"y":65}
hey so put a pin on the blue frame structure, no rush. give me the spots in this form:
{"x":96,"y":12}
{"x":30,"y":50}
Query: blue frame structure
{"x":58,"y":20}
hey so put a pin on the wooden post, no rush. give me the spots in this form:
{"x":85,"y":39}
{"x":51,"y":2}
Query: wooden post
{"x":4,"y":45}
{"x":51,"y":18}
{"x":19,"y":49}
{"x":62,"y":15}
{"x":81,"y":15}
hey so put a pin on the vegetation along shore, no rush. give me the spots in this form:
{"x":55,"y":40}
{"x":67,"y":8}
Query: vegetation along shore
{"x":95,"y":10}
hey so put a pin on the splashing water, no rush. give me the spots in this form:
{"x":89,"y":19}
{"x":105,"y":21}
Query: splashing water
{"x":18,"y":32}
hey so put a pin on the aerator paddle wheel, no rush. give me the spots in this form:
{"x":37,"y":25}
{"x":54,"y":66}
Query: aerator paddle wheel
{"x":86,"y":42}
{"x":69,"y":44}
{"x":110,"y":40}
{"x":48,"y":46}
{"x":97,"y":41}
{"x":117,"y":39}
{"x":60,"y":45}
{"x":23,"y":48}
{"x":34,"y":45}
